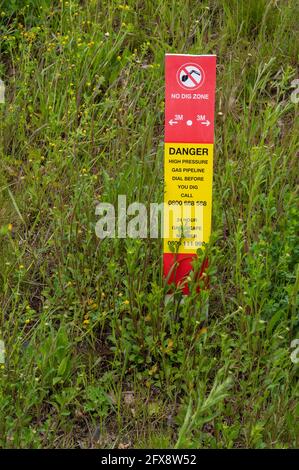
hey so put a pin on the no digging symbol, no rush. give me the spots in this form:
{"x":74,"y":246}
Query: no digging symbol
{"x":190,"y":76}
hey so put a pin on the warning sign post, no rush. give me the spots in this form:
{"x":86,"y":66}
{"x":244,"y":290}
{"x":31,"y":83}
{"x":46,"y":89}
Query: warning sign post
{"x":188,"y":160}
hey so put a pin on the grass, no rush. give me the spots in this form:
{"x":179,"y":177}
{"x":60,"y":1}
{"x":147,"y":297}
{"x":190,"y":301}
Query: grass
{"x":93,"y":356}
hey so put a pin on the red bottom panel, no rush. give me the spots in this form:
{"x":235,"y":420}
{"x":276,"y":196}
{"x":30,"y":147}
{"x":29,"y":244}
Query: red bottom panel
{"x":180,"y":266}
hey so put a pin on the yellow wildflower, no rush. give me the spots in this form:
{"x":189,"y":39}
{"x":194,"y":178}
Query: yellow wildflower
{"x":153,"y":370}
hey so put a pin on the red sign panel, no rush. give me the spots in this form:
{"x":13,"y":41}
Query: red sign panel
{"x":189,"y":98}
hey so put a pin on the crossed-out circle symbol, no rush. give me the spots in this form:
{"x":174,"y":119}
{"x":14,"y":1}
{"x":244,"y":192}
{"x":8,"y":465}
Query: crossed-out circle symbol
{"x":190,"y":76}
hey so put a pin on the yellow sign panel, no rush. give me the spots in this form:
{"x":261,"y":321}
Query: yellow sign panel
{"x":188,"y":170}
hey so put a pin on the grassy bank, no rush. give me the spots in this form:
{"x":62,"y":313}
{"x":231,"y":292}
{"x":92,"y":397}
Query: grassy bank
{"x":93,"y":356}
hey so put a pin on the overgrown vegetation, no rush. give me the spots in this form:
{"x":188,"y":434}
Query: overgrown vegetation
{"x":93,"y":356}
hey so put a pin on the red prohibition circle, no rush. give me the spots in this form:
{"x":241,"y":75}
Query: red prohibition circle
{"x":189,"y":74}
